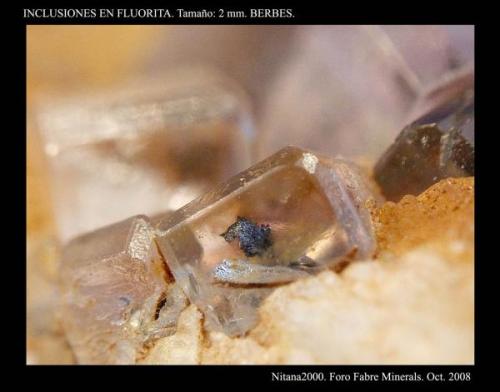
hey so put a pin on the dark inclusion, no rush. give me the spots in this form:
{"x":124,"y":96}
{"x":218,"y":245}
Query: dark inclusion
{"x":254,"y":239}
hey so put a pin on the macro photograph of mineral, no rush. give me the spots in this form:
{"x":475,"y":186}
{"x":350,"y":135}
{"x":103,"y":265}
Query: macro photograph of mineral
{"x":250,"y":194}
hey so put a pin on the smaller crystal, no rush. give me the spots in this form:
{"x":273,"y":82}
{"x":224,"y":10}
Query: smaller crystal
{"x":244,"y":272}
{"x":153,"y":145}
{"x":118,"y":293}
{"x":436,"y":146}
{"x":289,"y":215}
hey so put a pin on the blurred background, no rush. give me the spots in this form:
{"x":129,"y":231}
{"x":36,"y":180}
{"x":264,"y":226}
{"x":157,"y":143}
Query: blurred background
{"x":121,"y":118}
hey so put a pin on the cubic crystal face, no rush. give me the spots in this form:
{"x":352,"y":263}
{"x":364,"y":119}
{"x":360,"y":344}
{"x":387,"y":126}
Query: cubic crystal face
{"x":438,"y":145}
{"x":293,"y":213}
{"x":153,"y":146}
{"x":117,"y":293}
{"x":364,"y":94}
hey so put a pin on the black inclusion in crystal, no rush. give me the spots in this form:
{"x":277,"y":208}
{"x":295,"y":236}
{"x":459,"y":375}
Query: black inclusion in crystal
{"x":254,"y":239}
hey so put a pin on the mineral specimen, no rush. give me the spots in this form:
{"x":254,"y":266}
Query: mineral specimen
{"x":413,"y":304}
{"x":152,"y":146}
{"x":117,"y":293}
{"x":293,"y":213}
{"x":436,"y":146}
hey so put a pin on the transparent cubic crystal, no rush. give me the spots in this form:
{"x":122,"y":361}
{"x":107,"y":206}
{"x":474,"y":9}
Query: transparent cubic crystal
{"x":292,"y":213}
{"x":117,"y":293}
{"x":370,"y":78}
{"x":151,"y":145}
{"x":438,"y":145}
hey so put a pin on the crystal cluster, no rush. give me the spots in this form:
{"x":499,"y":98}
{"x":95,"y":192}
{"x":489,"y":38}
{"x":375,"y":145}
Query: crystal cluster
{"x":438,"y":145}
{"x":291,"y":214}
{"x":181,"y":137}
{"x":152,"y":146}
{"x":117,"y":293}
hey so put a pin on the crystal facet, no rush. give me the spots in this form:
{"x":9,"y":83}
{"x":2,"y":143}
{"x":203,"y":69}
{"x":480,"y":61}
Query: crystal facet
{"x":117,"y":293}
{"x":153,"y":146}
{"x":291,"y":214}
{"x":436,"y":146}
{"x":370,"y":78}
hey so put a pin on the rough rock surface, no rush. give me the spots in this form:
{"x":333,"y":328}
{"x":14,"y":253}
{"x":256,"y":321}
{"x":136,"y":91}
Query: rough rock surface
{"x":184,"y":347}
{"x":413,"y":304}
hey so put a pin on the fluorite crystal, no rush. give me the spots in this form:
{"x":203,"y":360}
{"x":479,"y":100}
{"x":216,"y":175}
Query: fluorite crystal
{"x":293,"y":213}
{"x":117,"y":293}
{"x":370,"y":78}
{"x":438,"y":145}
{"x":152,"y":146}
